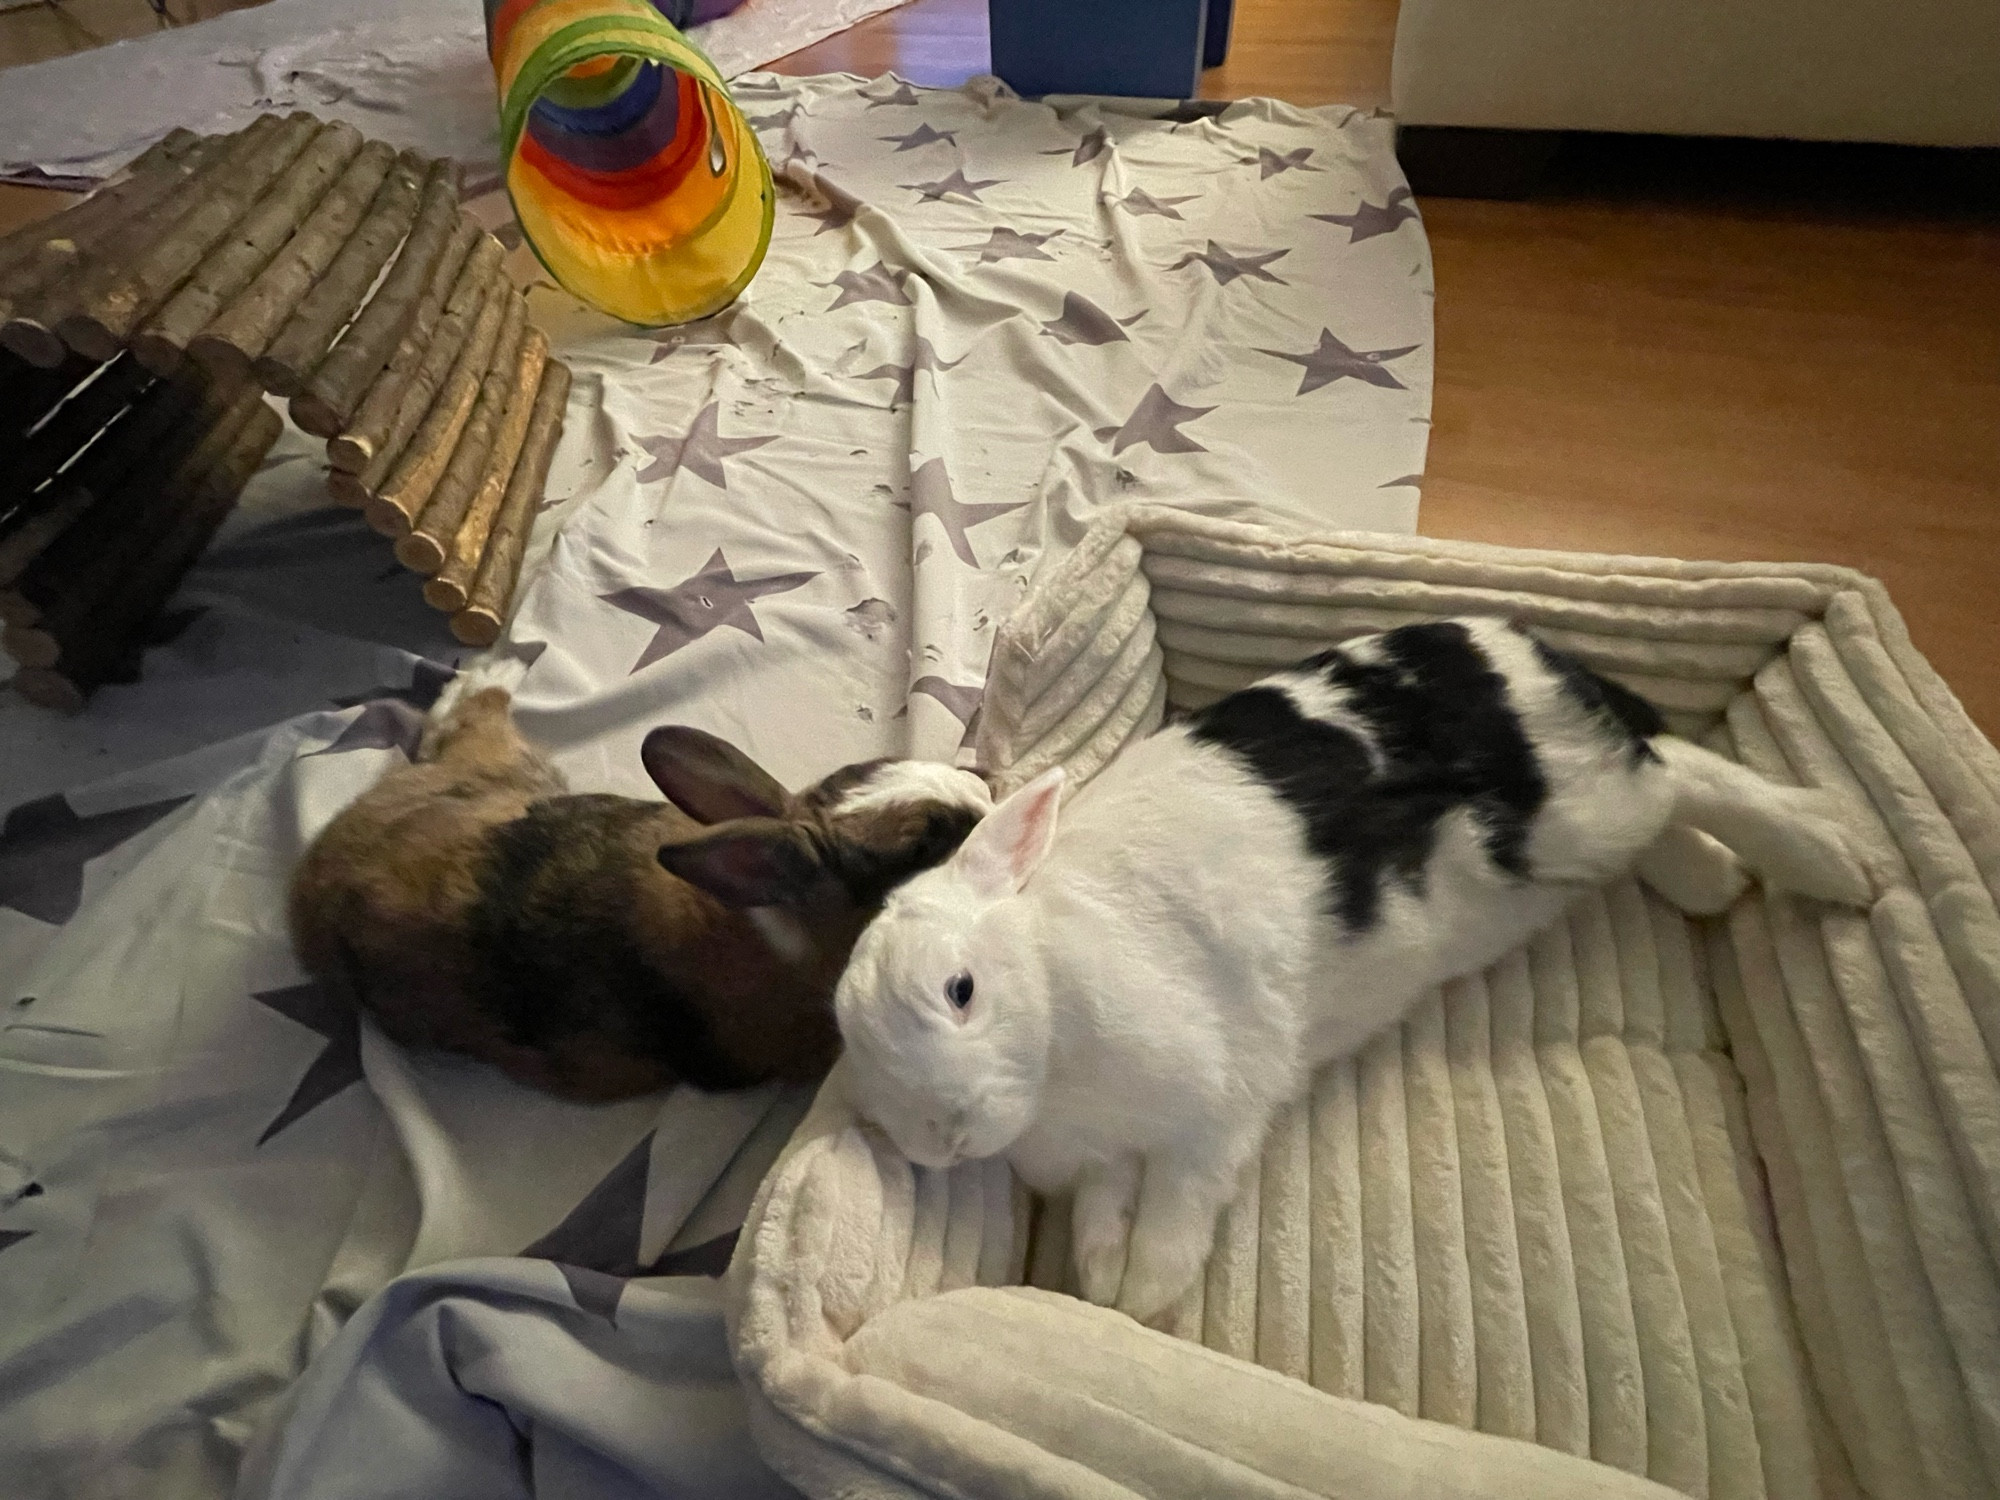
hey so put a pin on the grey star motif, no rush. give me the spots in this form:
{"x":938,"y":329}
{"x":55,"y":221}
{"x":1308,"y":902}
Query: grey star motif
{"x":773,"y":122}
{"x":1270,"y":163}
{"x":1226,"y":267}
{"x":1010,"y":244}
{"x":427,"y":682}
{"x":711,"y":332}
{"x":923,"y":135}
{"x":44,"y":846}
{"x":1333,"y":360}
{"x":710,"y":599}
{"x":1088,"y":149}
{"x":1139,"y":203}
{"x":701,"y":451}
{"x":901,"y":94}
{"x":596,"y":1246}
{"x":841,"y":205}
{"x":383,"y":725}
{"x":1156,"y":422}
{"x":905,"y":376}
{"x":960,"y":699}
{"x":954,"y":186}
{"x":339,"y":1062}
{"x":1370,"y":219}
{"x":931,"y":495}
{"x":876,"y":284}
{"x":1188,"y":111}
{"x":9,"y":1238}
{"x":1084,"y":322}
{"x":1406,"y":482}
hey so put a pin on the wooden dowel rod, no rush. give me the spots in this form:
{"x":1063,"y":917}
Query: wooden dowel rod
{"x":476,"y":278}
{"x":107,"y":316}
{"x":402,"y":499}
{"x":309,"y":332}
{"x":252,"y":243}
{"x":480,"y":622}
{"x":39,"y":309}
{"x":237,"y":335}
{"x":32,"y":393}
{"x":26,"y":542}
{"x":369,"y":428}
{"x":58,"y":593}
{"x":27,"y":253}
{"x":429,"y":541}
{"x":86,"y":413}
{"x":337,"y":386}
{"x":451,"y":588}
{"x":88,"y":661}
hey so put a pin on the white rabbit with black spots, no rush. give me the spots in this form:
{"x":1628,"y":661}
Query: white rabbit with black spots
{"x":1120,"y":998}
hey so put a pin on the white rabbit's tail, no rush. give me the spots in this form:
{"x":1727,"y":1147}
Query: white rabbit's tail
{"x":1789,"y":837}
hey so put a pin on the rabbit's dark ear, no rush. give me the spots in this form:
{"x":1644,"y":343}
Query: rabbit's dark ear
{"x":709,"y":779}
{"x":749,"y":862}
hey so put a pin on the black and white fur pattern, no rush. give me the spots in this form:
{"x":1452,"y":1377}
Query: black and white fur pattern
{"x":1121,"y":1004}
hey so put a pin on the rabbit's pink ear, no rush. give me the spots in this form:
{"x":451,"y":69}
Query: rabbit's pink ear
{"x":708,"y":778}
{"x":1009,"y":843}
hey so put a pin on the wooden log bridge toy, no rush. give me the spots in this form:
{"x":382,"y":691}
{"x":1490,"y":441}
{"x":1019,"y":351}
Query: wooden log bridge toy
{"x":141,"y":327}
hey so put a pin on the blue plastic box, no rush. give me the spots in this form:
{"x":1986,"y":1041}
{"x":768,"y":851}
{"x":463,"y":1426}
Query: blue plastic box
{"x":1148,"y":49}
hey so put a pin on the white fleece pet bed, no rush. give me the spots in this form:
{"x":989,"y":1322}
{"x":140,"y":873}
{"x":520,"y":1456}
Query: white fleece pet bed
{"x":1659,"y":1205}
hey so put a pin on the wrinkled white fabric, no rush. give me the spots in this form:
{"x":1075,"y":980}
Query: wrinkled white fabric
{"x":798,"y":525}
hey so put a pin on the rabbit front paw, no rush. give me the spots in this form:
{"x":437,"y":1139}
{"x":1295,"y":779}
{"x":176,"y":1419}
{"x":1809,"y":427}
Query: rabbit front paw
{"x":1101,"y":1228}
{"x":1159,"y":1271}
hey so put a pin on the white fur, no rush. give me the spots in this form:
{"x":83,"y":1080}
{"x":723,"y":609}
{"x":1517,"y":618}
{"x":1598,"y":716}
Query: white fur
{"x":917,"y":781}
{"x":1158,"y":975}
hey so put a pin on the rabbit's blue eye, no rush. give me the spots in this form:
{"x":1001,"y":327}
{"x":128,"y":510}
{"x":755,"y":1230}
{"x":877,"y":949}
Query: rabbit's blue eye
{"x":958,"y":990}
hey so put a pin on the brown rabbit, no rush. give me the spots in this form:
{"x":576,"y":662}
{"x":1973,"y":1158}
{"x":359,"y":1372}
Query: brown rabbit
{"x":599,"y":947}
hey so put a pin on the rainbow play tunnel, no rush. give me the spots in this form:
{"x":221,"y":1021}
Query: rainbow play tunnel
{"x":635,"y":178}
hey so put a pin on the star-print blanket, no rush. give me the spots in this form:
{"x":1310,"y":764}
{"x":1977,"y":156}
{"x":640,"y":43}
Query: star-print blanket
{"x":797,"y":525}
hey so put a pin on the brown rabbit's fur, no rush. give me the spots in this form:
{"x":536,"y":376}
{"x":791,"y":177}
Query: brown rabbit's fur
{"x":471,"y":903}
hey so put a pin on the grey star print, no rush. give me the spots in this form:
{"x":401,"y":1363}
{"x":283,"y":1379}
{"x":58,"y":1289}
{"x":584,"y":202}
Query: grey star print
{"x":841,"y":205}
{"x":962,"y":699}
{"x":901,"y":94}
{"x":1088,"y":149}
{"x":1156,"y":422}
{"x":596,"y":1247}
{"x":931,"y":495}
{"x":1226,"y":266}
{"x":1188,"y":111}
{"x":1084,"y":322}
{"x":876,"y":284}
{"x":1270,"y":163}
{"x":339,"y":1062}
{"x":705,"y":333}
{"x":1333,"y":360}
{"x":1370,"y":219}
{"x":954,"y":186}
{"x":905,"y":376}
{"x":1139,"y":203}
{"x":712,"y":598}
{"x":44,"y":846}
{"x":9,"y":1238}
{"x":923,"y":135}
{"x":700,"y":452}
{"x":427,"y":683}
{"x":1010,"y":244}
{"x":383,"y":725}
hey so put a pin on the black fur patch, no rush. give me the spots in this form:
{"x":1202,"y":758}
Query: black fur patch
{"x":869,"y":872}
{"x":1446,"y":737}
{"x":1618,"y":708}
{"x":553,"y":963}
